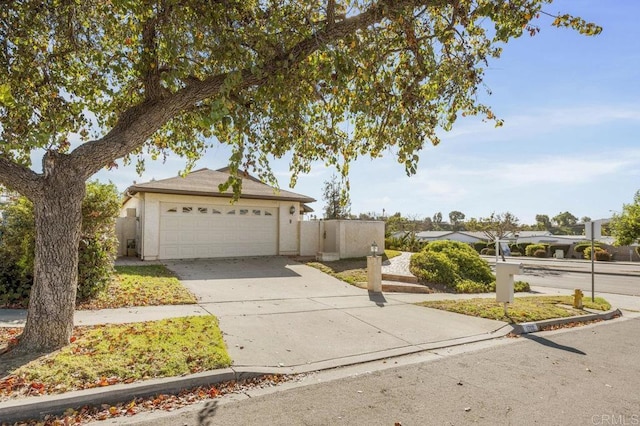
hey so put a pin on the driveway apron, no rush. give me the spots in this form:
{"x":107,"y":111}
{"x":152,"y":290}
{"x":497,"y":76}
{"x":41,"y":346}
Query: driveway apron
{"x":274,"y":311}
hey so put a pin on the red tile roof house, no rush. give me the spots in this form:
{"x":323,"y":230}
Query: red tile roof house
{"x":188,"y":217}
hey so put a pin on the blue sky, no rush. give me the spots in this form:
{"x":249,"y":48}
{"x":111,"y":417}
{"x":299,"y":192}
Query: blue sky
{"x":571,"y":110}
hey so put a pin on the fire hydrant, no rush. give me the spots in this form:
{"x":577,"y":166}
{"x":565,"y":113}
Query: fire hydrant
{"x":577,"y":298}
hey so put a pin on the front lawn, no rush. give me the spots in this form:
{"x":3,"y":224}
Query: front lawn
{"x":352,"y":271}
{"x":523,"y":309}
{"x":110,"y":354}
{"x":141,"y":286}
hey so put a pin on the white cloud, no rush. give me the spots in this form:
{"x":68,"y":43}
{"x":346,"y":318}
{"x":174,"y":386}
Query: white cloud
{"x":543,"y":120}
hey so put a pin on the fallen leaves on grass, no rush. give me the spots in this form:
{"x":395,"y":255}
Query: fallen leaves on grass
{"x":110,"y":354}
{"x":148,"y":285}
{"x":164,"y":402}
{"x":524,"y":309}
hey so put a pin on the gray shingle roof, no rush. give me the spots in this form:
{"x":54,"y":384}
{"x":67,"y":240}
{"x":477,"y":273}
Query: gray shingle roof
{"x":206,"y":181}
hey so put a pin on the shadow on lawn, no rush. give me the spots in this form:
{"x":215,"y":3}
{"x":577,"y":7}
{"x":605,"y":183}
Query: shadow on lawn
{"x":11,"y":360}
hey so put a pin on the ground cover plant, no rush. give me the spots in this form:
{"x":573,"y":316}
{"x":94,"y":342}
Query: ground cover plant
{"x":111,"y":354}
{"x":352,"y":271}
{"x":143,"y":285}
{"x":523,"y":309}
{"x":455,"y":266}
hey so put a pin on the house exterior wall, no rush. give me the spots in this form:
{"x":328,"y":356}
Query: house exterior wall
{"x":148,"y":210}
{"x":288,"y":228}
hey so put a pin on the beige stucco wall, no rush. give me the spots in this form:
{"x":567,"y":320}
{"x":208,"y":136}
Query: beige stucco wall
{"x":148,"y":209}
{"x":310,"y":232}
{"x":348,"y":238}
{"x":288,"y":228}
{"x":331,"y":236}
{"x":356,"y":236}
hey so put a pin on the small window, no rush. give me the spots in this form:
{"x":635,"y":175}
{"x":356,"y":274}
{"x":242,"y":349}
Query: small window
{"x":187,"y":209}
{"x":203,"y":210}
{"x":267,"y":213}
{"x":214,"y":211}
{"x":231,"y":212}
{"x":244,"y":212}
{"x":257,"y":212}
{"x":172,"y":210}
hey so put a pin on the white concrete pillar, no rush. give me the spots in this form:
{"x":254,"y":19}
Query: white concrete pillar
{"x":374,"y":273}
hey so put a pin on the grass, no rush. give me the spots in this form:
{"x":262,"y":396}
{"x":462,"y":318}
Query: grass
{"x":141,"y":286}
{"x":352,"y":271}
{"x":524,"y":309}
{"x":111,"y":354}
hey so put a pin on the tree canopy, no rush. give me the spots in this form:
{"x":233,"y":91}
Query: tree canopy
{"x":625,"y":226}
{"x":336,"y":198}
{"x":264,"y":77}
{"x":90,"y":82}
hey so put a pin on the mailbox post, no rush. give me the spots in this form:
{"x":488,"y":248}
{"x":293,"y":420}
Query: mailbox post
{"x":504,"y":281}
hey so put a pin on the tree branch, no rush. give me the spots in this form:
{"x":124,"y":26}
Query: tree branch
{"x":20,"y":178}
{"x":140,"y":122}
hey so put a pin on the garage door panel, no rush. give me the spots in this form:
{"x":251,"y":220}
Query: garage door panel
{"x":201,"y":231}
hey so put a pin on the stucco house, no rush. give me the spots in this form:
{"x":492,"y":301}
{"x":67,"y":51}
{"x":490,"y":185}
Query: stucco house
{"x":188,"y":217}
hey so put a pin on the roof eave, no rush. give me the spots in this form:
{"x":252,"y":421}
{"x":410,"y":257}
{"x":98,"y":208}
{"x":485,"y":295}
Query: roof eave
{"x":135,"y":189}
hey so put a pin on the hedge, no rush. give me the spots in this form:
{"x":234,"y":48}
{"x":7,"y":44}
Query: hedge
{"x":96,"y":251}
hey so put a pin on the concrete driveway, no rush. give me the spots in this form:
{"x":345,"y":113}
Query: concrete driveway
{"x":277,"y":312}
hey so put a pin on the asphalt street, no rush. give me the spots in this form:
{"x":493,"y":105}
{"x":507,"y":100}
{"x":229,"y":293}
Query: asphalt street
{"x":582,"y":376}
{"x":615,"y":284}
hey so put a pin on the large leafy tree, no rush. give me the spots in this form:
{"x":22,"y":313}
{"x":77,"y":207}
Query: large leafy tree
{"x":455,"y":218}
{"x":336,"y":198}
{"x":625,"y":226}
{"x":89,"y":82}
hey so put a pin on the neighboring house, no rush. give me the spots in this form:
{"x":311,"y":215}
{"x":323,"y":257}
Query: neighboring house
{"x":461,"y":236}
{"x":188,"y":217}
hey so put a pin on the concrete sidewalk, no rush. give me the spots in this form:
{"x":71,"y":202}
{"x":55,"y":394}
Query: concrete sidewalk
{"x":275,"y":312}
{"x":277,"y":316}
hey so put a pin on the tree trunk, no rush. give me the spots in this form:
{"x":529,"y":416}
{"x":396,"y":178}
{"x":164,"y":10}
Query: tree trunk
{"x":58,"y":218}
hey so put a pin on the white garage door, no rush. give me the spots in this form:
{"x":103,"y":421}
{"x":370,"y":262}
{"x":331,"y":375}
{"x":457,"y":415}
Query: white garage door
{"x":201,"y":231}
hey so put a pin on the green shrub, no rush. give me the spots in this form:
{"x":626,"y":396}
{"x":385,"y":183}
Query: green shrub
{"x":479,"y":246}
{"x":408,"y":242}
{"x":470,"y":265}
{"x":434,"y":267}
{"x":96,"y":251}
{"x":516,"y":254}
{"x":532,"y":248}
{"x":521,"y":286}
{"x":468,"y":286}
{"x":581,"y":247}
{"x":601,"y":254}
{"x":520,"y":248}
{"x":540,"y":253}
{"x":452,"y":264}
{"x":488,"y":251}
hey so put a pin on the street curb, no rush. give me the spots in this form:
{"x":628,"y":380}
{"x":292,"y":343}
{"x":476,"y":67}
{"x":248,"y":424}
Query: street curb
{"x":39,"y":407}
{"x":532,"y":327}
